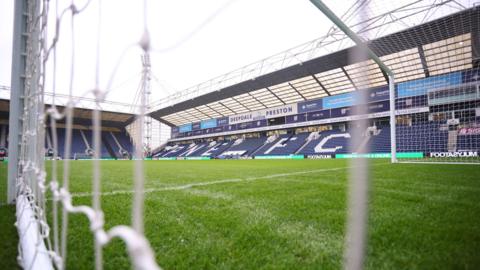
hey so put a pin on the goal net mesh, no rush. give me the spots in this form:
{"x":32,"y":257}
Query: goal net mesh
{"x":437,"y":98}
{"x":435,"y":61}
{"x":43,"y":198}
{"x":432,"y":73}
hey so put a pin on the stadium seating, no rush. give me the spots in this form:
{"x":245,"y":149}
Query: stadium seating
{"x":338,"y":142}
{"x":119,"y":142}
{"x":194,"y":149}
{"x":109,"y":145}
{"x":422,"y":137}
{"x":309,"y":147}
{"x":202,"y":148}
{"x":380,"y":143}
{"x":3,"y":141}
{"x":78,"y":145}
{"x":162,"y":151}
{"x":166,"y":150}
{"x":292,"y":145}
{"x":468,"y":143}
{"x":61,"y":142}
{"x":217,"y":149}
{"x":285,"y":145}
{"x":124,"y":140}
{"x":104,"y":153}
{"x":176,"y":150}
{"x":418,"y":137}
{"x":244,"y":148}
{"x":4,"y":136}
{"x":324,"y":143}
{"x":269,"y":142}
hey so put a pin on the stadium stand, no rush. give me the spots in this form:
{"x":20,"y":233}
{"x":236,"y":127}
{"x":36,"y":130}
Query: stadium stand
{"x":61,"y":142}
{"x":80,"y":144}
{"x":290,"y":146}
{"x":3,"y":136}
{"x":314,"y":139}
{"x":328,"y":142}
{"x":87,"y":136}
{"x":468,"y":142}
{"x":208,"y":145}
{"x":3,"y":141}
{"x":112,"y":145}
{"x":217,"y":149}
{"x":107,"y":146}
{"x":427,"y":136}
{"x":430,"y":136}
{"x":123,"y":141}
{"x":193,"y":149}
{"x":277,"y":144}
{"x":381,"y":141}
{"x":422,"y":137}
{"x":243,"y":147}
{"x":175,"y":150}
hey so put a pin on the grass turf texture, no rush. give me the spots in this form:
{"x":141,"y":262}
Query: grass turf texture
{"x":289,"y":214}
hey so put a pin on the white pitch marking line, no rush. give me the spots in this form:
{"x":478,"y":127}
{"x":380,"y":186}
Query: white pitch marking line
{"x":201,"y":184}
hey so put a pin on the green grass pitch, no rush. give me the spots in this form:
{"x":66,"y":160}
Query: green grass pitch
{"x":275,"y":214}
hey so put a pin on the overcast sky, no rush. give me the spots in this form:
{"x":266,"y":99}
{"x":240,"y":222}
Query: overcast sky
{"x":242,"y":32}
{"x":238,"y":32}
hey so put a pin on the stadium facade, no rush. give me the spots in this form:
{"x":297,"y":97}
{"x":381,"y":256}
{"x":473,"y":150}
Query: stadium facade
{"x":306,"y":110}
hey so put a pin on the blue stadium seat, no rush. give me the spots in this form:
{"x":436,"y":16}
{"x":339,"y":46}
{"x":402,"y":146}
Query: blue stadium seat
{"x":247,"y":146}
{"x":176,"y":150}
{"x":468,"y":143}
{"x":284,"y":145}
{"x":309,"y":148}
{"x":124,"y":140}
{"x":380,"y":143}
{"x":217,"y":149}
{"x":193,"y":150}
{"x":78,"y":145}
{"x":422,"y":137}
{"x":278,"y":141}
{"x":103,"y":150}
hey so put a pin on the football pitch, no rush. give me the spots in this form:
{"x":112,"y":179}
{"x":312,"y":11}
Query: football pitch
{"x":274,"y":214}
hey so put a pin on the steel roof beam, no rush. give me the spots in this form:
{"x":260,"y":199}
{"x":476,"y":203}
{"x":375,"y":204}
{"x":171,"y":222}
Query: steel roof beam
{"x":423,"y":61}
{"x":281,"y":100}
{"x":300,"y":94}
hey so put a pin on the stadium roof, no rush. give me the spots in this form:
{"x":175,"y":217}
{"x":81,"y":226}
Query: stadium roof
{"x":81,"y":116}
{"x":441,"y":46}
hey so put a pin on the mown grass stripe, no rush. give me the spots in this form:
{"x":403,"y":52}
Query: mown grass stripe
{"x":209,"y":183}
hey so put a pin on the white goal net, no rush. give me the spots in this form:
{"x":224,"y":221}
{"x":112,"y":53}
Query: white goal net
{"x":432,"y":72}
{"x":437,"y":102}
{"x":432,"y":52}
{"x":43,"y":199}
